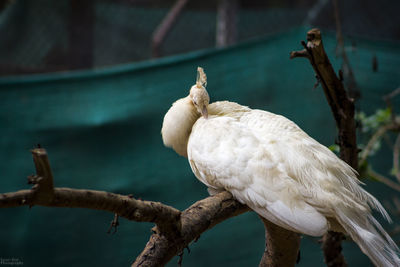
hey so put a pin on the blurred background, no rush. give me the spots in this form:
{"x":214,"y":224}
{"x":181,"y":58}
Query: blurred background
{"x":91,"y":81}
{"x":44,"y":36}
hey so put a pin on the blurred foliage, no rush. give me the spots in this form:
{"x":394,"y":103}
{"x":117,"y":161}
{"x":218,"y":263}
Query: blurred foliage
{"x":373,"y":122}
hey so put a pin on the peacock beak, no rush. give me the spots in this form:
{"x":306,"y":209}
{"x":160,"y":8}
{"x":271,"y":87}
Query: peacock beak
{"x":204,"y":112}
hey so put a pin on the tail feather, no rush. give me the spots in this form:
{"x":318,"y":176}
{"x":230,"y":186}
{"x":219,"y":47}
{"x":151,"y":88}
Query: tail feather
{"x":366,"y":231}
{"x":375,"y":204}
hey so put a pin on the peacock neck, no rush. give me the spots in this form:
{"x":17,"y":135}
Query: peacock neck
{"x":177,"y":125}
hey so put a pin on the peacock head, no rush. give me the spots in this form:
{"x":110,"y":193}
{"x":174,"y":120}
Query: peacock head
{"x":198,"y":93}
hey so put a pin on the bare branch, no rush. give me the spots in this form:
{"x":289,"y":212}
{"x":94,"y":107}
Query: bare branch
{"x":166,"y":26}
{"x":301,"y":53}
{"x":377,"y":176}
{"x":226,"y":32}
{"x":392,"y":126}
{"x":396,"y":152}
{"x":375,"y":138}
{"x":351,"y":84}
{"x":195,"y":220}
{"x":43,"y":194}
{"x":174,"y":230}
{"x":124,"y":206}
{"x":342,"y":108}
{"x":394,"y":93}
{"x":388,"y":100}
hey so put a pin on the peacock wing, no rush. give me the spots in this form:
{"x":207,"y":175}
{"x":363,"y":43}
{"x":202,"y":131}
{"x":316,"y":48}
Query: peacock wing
{"x":225,"y":154}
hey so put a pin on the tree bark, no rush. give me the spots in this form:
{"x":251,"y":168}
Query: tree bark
{"x":195,"y":220}
{"x":174,"y":229}
{"x":226,"y":33}
{"x":281,"y":246}
{"x":342,"y":108}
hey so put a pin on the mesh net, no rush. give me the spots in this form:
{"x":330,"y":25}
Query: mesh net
{"x":101,"y":127}
{"x":45,"y":36}
{"x":102,"y":131}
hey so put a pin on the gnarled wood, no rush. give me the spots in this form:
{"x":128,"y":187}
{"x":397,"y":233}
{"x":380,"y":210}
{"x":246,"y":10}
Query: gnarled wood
{"x":342,"y":108}
{"x":281,"y":246}
{"x":195,"y":220}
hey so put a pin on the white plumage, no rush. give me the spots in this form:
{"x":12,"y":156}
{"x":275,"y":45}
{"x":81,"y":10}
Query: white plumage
{"x":268,"y":163}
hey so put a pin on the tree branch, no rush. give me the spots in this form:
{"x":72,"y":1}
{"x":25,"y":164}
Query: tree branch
{"x":43,"y":194}
{"x":342,"y":108}
{"x":375,"y":138}
{"x":195,"y":220}
{"x":374,"y":175}
{"x":124,"y":206}
{"x":281,"y":246}
{"x":165,"y":26}
{"x":174,"y":230}
{"x":43,"y":188}
{"x":352,"y":88}
{"x":396,"y":152}
{"x":388,"y":99}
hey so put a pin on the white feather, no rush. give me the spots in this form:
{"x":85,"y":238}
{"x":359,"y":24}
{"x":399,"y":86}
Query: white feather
{"x":268,"y":163}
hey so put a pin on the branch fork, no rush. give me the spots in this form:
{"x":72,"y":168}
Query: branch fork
{"x":43,"y":187}
{"x":342,"y":108}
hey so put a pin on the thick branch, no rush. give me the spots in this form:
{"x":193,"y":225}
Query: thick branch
{"x":332,"y":248}
{"x":281,"y":246}
{"x":43,"y":194}
{"x":195,"y":220}
{"x":342,"y":108}
{"x":124,"y":206}
{"x":174,"y":231}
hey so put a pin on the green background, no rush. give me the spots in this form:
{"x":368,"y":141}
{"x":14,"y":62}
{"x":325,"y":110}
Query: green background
{"x":102,"y":131}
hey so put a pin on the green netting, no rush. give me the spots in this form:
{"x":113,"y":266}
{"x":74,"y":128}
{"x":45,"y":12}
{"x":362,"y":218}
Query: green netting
{"x":102,"y":131}
{"x":35,"y":34}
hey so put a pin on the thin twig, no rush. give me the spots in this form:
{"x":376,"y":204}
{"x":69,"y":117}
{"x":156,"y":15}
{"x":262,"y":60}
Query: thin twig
{"x":388,"y":99}
{"x":339,"y":35}
{"x":373,"y":174}
{"x":352,"y":88}
{"x":392,"y":126}
{"x":114,"y":224}
{"x":374,"y":138}
{"x":166,"y":26}
{"x":396,"y":152}
{"x":301,"y":53}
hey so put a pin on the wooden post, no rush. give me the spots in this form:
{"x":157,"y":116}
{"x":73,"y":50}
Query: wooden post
{"x":165,"y":27}
{"x":81,"y":34}
{"x":226,"y":33}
